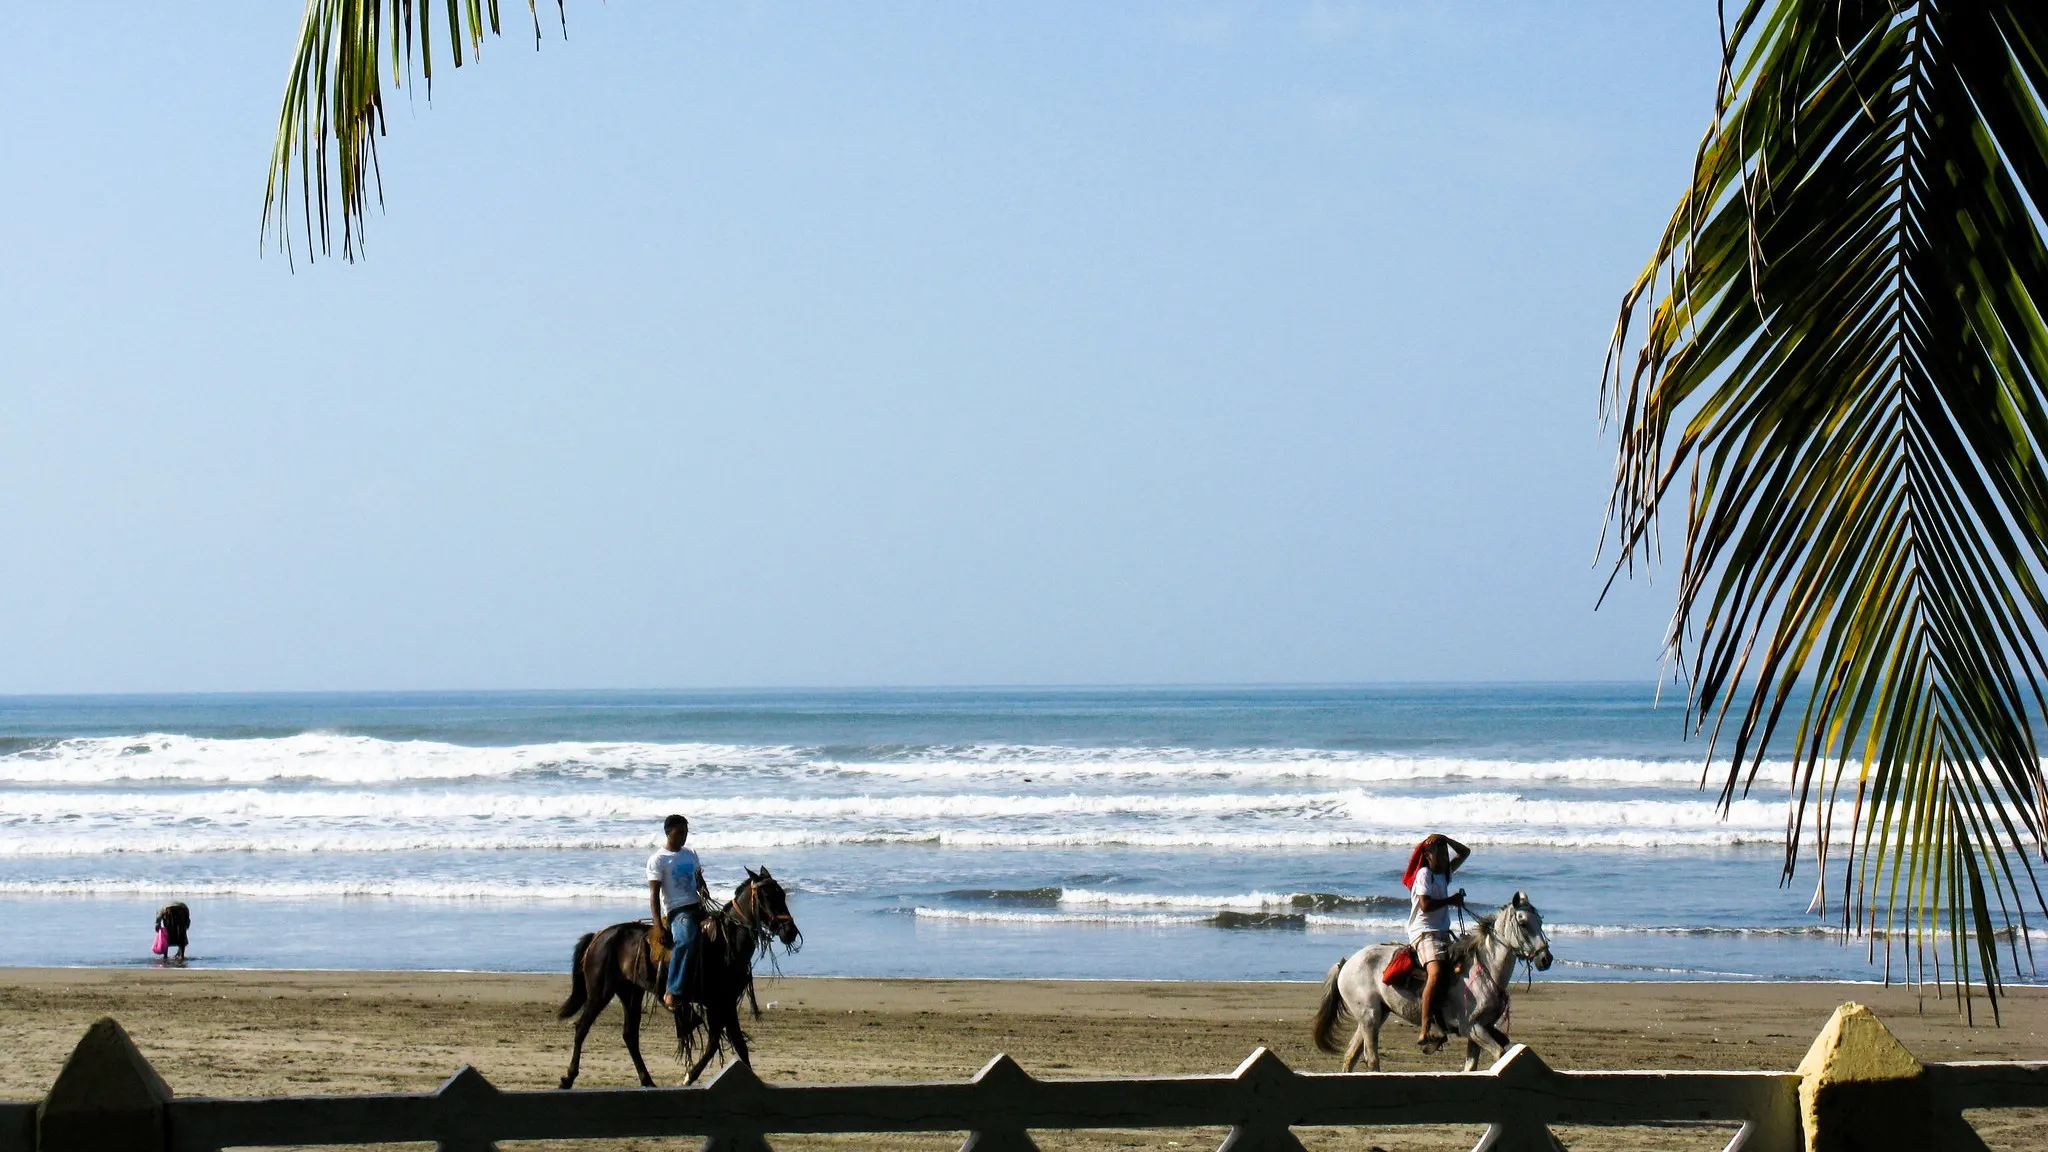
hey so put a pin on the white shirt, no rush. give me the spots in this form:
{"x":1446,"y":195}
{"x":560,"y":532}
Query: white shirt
{"x":676,"y":872}
{"x":1433,"y":884}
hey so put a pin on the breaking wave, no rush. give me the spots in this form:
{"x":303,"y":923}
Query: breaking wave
{"x":319,"y":840}
{"x":425,"y":890}
{"x":190,"y":819}
{"x":345,"y":759}
{"x":1247,"y":901}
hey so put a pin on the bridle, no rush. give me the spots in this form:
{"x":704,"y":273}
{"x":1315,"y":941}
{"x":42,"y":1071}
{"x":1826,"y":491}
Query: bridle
{"x":749,"y":903}
{"x":1517,"y":938}
{"x":1531,"y":956}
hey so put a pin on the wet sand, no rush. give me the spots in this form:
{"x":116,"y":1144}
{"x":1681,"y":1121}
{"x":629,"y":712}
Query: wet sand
{"x":260,"y":1032}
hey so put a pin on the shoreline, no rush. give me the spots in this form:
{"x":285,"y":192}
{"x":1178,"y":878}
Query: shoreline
{"x":8,"y":971}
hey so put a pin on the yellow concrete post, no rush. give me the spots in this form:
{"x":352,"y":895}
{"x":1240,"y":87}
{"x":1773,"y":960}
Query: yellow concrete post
{"x":1860,"y":1090}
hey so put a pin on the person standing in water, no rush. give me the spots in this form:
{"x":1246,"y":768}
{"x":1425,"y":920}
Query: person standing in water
{"x":676,"y":893}
{"x":175,"y":922}
{"x":1428,"y":878}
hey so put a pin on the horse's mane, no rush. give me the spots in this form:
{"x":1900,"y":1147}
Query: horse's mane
{"x":1466,"y":947}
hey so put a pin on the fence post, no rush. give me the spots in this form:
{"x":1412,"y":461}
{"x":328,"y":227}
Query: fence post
{"x":467,"y":1098}
{"x":1860,"y":1090}
{"x":1526,"y":1078}
{"x":106,"y":1099}
{"x":737,"y":1083}
{"x":1001,"y":1090}
{"x":1271,"y":1083}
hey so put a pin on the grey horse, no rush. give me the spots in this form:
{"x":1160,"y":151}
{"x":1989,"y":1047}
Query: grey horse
{"x":1471,"y":1004}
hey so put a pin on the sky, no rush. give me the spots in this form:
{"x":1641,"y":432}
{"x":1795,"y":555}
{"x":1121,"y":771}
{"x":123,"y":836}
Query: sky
{"x":809,"y":344}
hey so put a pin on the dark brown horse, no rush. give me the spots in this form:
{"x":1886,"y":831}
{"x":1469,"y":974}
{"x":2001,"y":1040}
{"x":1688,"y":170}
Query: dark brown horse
{"x":616,"y":962}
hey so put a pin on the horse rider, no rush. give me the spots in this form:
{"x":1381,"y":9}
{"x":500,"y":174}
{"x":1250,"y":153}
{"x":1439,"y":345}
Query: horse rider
{"x":676,"y":893}
{"x":1428,"y":878}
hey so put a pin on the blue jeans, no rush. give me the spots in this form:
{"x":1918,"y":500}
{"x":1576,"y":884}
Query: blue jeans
{"x":682,"y":929}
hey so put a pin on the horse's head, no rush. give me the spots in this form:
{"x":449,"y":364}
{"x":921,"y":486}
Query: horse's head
{"x":1520,"y":926}
{"x":762,"y":901}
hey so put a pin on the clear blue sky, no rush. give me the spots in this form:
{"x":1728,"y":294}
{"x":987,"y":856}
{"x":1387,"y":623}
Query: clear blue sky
{"x":815,"y":344}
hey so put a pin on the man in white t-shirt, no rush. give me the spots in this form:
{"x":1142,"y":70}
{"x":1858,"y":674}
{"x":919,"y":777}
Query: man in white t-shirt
{"x":676,"y":892}
{"x":1429,"y":917}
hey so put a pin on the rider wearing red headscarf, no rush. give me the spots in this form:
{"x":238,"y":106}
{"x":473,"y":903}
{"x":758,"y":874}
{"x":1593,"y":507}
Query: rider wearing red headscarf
{"x":1428,"y":880}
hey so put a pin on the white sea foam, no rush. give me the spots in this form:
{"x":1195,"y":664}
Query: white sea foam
{"x":1061,"y":764}
{"x":976,"y":916}
{"x":1301,"y":819}
{"x":1264,"y":841}
{"x":130,"y":835}
{"x":1357,"y":923}
{"x":345,"y":759}
{"x":330,"y":757}
{"x":352,"y":841}
{"x":1373,"y":924}
{"x":253,"y":803}
{"x":426,"y":890}
{"x":1117,"y":909}
{"x":318,"y":840}
{"x":1244,"y":901}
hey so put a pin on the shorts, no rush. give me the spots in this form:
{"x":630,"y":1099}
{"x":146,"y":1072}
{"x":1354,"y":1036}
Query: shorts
{"x":1431,"y":947}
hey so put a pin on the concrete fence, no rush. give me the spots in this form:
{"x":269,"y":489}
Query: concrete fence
{"x":1858,"y":1089}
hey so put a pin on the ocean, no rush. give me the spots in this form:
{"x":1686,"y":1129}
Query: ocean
{"x":1171,"y":833}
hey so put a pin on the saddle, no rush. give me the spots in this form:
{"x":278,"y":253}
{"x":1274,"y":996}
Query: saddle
{"x":710,"y":929}
{"x":1404,"y":973}
{"x":1403,"y":969}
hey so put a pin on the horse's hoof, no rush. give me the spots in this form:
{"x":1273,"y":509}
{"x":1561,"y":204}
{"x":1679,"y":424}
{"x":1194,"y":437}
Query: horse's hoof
{"x":1430,"y":1046}
{"x":566,"y":1083}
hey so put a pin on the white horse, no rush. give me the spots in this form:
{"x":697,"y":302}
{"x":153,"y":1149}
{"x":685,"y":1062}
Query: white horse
{"x":1469,"y":1005}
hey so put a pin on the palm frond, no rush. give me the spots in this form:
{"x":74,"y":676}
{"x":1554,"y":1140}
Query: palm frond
{"x":334,"y":104}
{"x":1846,"y":360}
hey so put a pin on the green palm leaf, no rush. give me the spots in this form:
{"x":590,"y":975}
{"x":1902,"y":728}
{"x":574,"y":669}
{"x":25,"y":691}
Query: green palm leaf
{"x":1846,"y":361}
{"x":334,"y":103}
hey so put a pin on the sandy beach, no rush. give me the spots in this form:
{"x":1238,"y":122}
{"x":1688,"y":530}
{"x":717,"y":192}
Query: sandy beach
{"x":265,"y":1032}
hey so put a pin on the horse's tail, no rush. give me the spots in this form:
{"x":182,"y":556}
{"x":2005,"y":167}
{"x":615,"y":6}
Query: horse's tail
{"x":1330,"y":1011}
{"x":579,"y":992}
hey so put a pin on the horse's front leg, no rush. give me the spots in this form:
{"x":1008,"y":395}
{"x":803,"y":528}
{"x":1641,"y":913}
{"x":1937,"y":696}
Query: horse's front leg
{"x":633,"y":1002}
{"x":714,"y":1026}
{"x":739,"y":1038}
{"x":1481,"y":1038}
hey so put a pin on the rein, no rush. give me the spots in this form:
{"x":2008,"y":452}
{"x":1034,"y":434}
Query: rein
{"x":745,"y":912}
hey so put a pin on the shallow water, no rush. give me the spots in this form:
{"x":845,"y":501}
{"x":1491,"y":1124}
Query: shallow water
{"x":1172,"y":833}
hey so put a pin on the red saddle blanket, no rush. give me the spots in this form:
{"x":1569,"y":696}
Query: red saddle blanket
{"x":1399,"y":968}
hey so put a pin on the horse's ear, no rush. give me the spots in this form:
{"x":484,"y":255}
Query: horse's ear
{"x":751,"y":874}
{"x":1521,"y":899}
